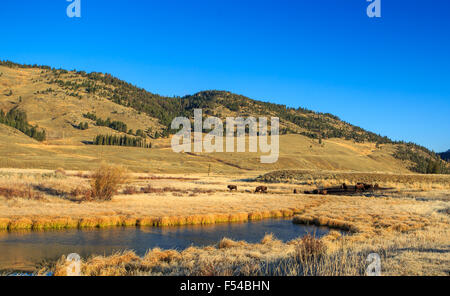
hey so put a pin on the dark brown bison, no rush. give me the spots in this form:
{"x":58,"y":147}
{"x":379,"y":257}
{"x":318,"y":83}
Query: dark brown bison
{"x":368,"y":186}
{"x":295,"y":191}
{"x":359,"y":187}
{"x":307,"y":192}
{"x":344,"y":186}
{"x":317,"y":191}
{"x":232,"y":187}
{"x":261,"y":189}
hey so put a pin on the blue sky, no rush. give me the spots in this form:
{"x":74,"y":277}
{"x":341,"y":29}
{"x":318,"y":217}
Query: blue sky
{"x":389,"y":75}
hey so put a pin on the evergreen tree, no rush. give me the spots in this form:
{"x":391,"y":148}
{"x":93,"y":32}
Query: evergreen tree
{"x":17,"y":119}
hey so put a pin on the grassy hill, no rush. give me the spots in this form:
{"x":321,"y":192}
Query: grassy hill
{"x":445,"y":155}
{"x":73,"y":107}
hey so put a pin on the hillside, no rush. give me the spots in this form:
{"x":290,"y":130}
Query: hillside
{"x":107,"y":96}
{"x":445,"y":155}
{"x":73,"y":107}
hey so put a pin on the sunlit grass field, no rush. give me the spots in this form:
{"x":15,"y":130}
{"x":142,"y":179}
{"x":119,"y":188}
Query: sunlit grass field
{"x":407,"y":225}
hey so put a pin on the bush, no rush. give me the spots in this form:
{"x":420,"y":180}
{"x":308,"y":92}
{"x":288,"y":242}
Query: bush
{"x":130,"y":190}
{"x":310,"y":248}
{"x":60,"y":172}
{"x":26,"y":193}
{"x":106,"y":181}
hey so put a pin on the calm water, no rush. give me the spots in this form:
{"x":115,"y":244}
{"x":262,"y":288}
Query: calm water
{"x":23,"y":250}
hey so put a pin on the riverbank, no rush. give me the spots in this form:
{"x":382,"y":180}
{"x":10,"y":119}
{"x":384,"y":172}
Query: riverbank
{"x":36,"y":200}
{"x":25,"y":250}
{"x":408,"y":226}
{"x":418,"y":253}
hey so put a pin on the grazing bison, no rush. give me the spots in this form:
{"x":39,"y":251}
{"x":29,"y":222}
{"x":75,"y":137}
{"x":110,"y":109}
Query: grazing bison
{"x":368,"y":186}
{"x":317,"y":191}
{"x":261,"y":189}
{"x":232,"y":187}
{"x":295,"y":191}
{"x":359,"y":187}
{"x":364,"y":187}
{"x":344,"y":186}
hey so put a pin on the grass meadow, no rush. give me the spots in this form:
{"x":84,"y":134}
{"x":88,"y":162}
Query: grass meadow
{"x":407,"y":225}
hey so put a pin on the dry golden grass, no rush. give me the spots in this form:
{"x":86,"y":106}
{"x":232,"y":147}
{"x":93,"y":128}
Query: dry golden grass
{"x":196,"y":202}
{"x":410,"y":233}
{"x":421,"y":247}
{"x":421,"y":252}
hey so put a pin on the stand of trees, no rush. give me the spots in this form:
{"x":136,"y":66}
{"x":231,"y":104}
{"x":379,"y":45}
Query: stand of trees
{"x":83,"y":126}
{"x":425,"y":161}
{"x":114,"y":140}
{"x":445,"y":155}
{"x":115,"y":125}
{"x":18,"y":119}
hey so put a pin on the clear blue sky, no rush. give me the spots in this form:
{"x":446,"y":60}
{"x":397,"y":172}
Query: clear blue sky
{"x":388,"y":75}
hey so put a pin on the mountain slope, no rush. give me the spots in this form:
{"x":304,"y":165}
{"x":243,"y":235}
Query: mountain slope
{"x":445,"y":155}
{"x":75,"y":87}
{"x":59,"y":100}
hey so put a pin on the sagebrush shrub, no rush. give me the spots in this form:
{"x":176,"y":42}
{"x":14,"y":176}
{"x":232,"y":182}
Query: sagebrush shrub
{"x":310,"y":247}
{"x":106,"y":182}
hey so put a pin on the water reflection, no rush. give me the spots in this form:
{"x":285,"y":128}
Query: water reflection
{"x":23,"y":250}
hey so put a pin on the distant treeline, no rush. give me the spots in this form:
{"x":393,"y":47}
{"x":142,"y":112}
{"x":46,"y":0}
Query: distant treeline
{"x":18,"y":119}
{"x":128,"y":141}
{"x":23,"y":66}
{"x":425,"y":162}
{"x":115,"y":125}
{"x":83,"y":126}
{"x":445,"y":155}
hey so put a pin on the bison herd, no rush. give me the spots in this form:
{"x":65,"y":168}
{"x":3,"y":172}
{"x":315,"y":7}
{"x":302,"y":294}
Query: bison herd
{"x":259,"y":189}
{"x":340,"y":190}
{"x":366,"y":187}
{"x":343,"y":189}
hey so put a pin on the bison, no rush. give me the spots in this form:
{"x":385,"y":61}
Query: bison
{"x":295,"y":191}
{"x":368,"y":186}
{"x":360,"y":187}
{"x":261,"y":189}
{"x":317,"y":191}
{"x":364,"y":187}
{"x":344,"y":186}
{"x":232,"y":187}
